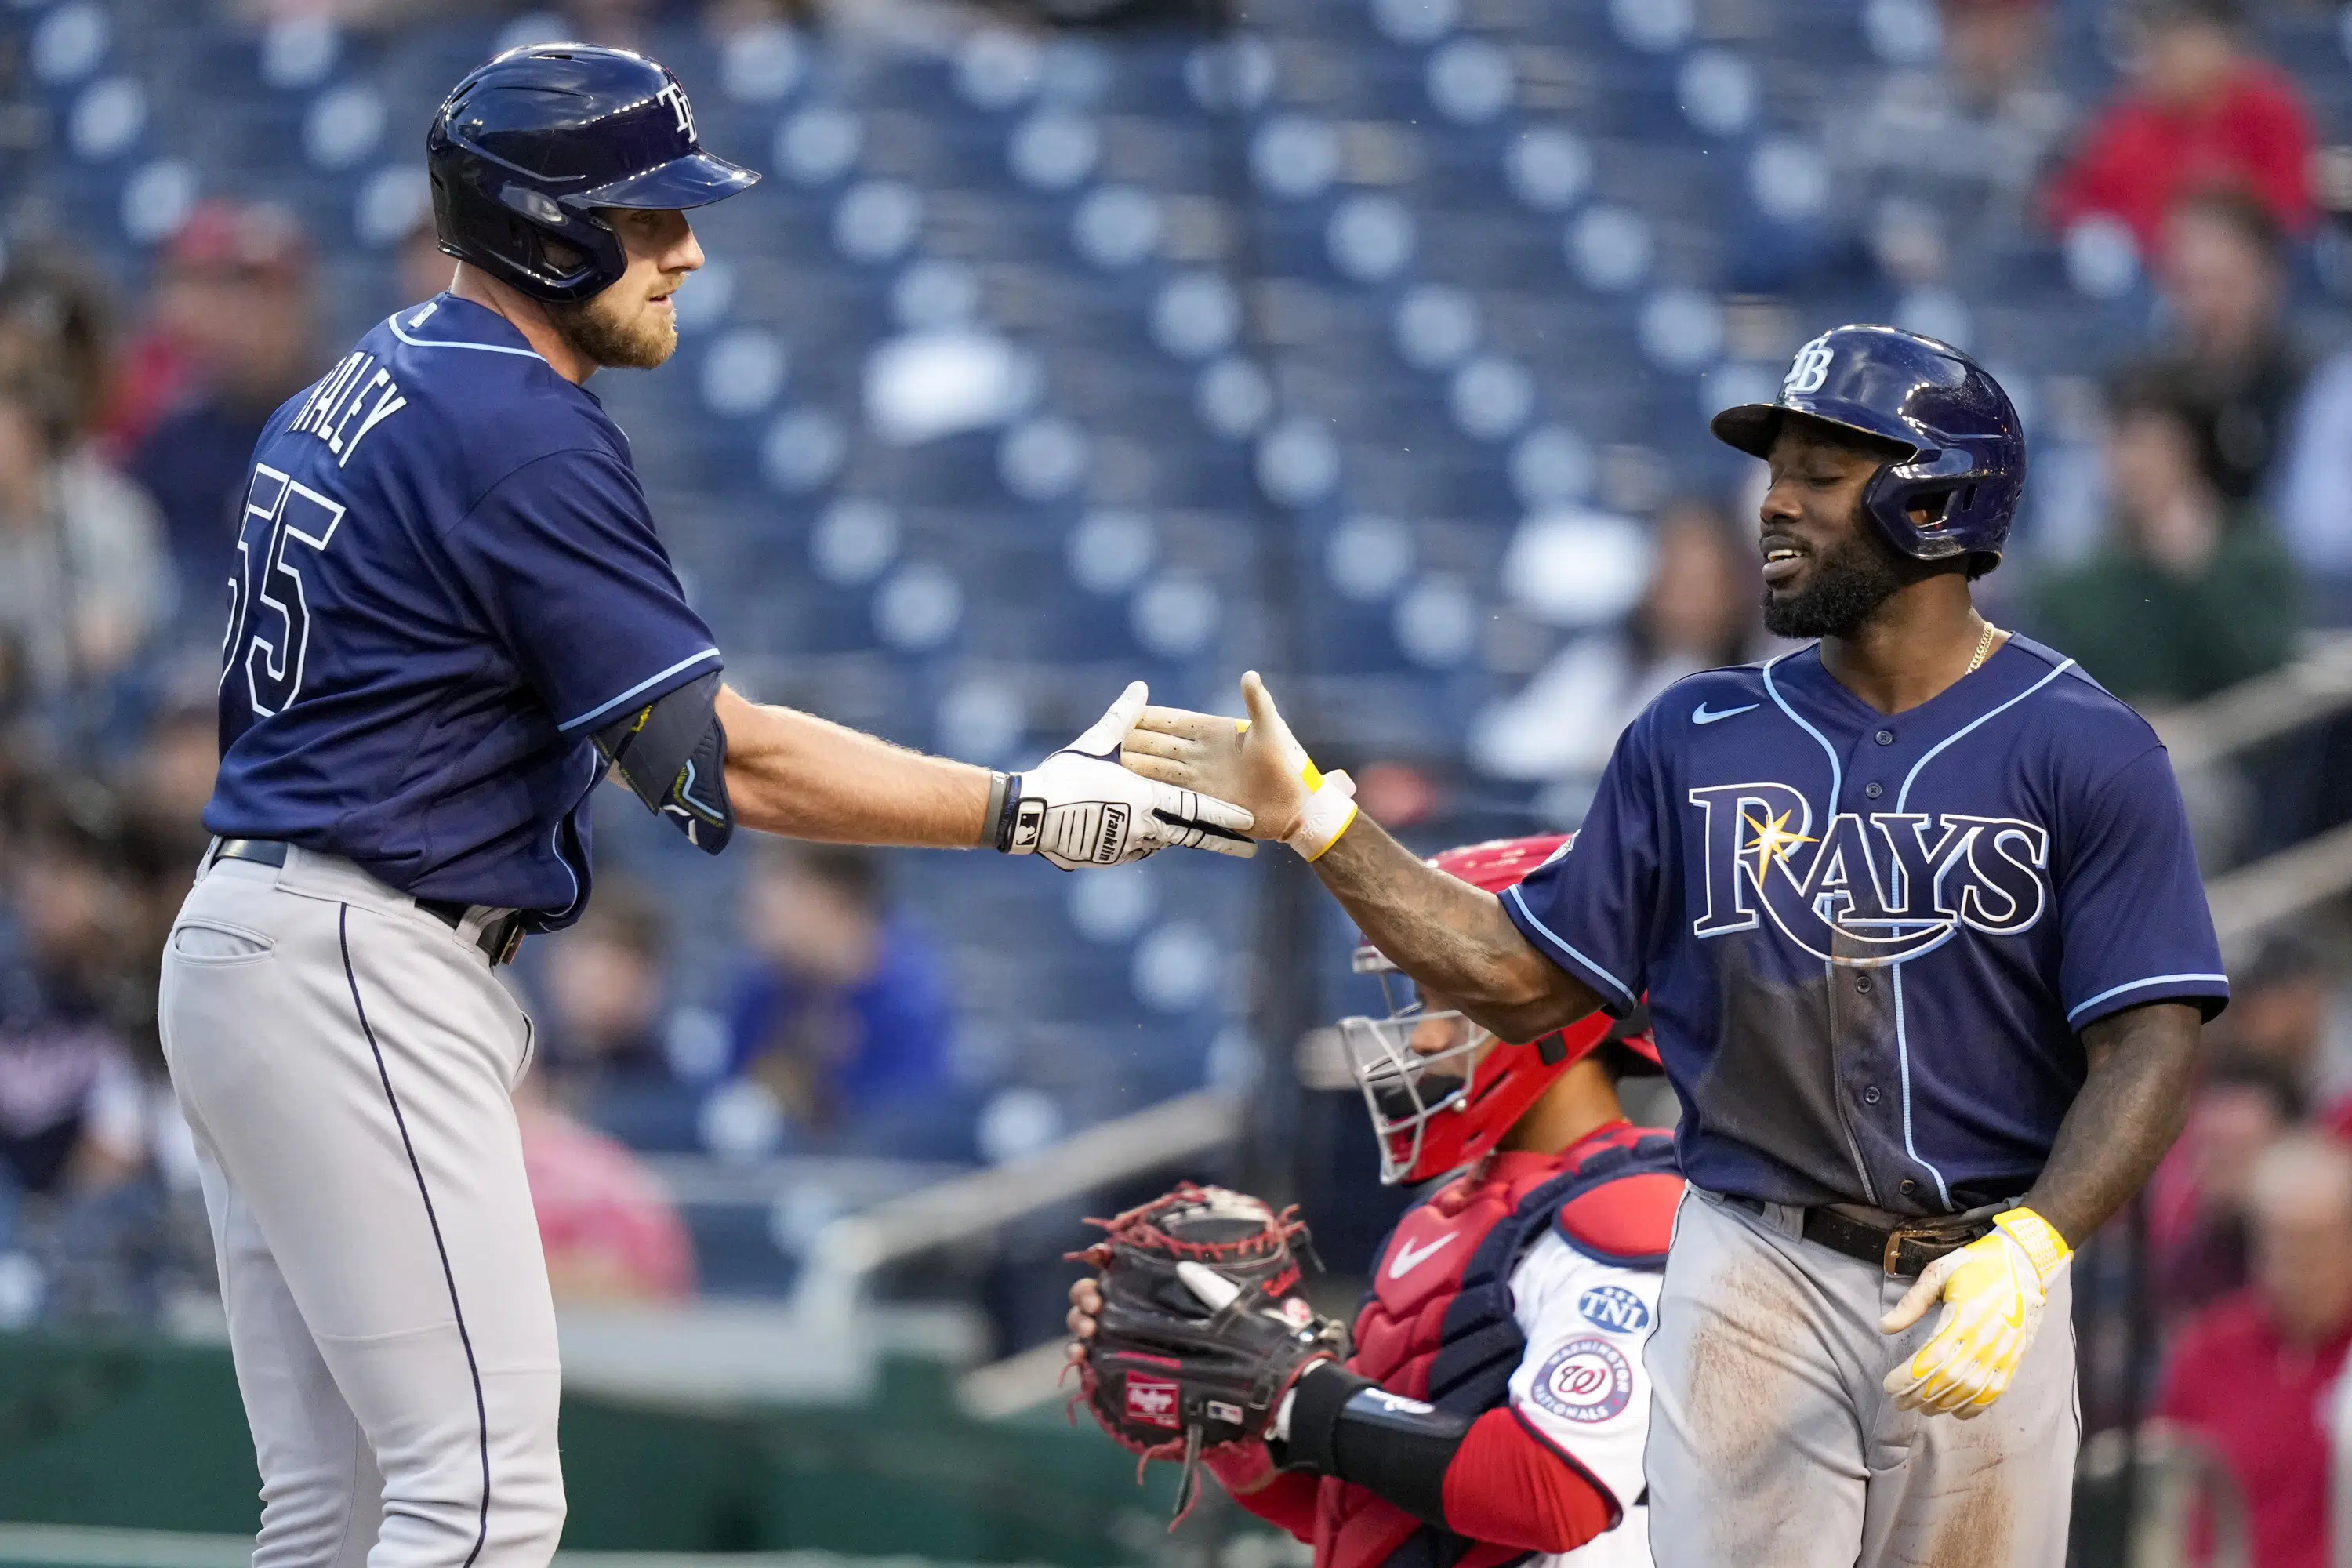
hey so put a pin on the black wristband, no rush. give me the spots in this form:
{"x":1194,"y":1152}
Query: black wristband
{"x":1397,"y":1448}
{"x":1007,"y":812}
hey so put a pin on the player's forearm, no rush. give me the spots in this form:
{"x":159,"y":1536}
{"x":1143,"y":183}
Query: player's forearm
{"x":2129,"y":1111}
{"x":1450,"y":936}
{"x":794,"y":774}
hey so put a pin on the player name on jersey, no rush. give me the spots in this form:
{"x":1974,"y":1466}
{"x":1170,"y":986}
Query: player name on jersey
{"x":341,"y":396}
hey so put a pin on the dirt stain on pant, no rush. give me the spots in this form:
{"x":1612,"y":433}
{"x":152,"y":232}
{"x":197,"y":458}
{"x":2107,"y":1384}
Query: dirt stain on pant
{"x":1970,"y":1523}
{"x":1740,"y":1377}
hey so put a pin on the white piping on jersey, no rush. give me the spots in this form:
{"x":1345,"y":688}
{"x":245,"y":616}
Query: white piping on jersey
{"x":393,"y":321}
{"x":603,"y":708}
{"x":1902,"y":1034}
{"x":2136,"y":985}
{"x":1904,"y":793}
{"x":1903,"y":1058}
{"x":555,"y":834}
{"x":1837,"y":770}
{"x":1621,"y":989}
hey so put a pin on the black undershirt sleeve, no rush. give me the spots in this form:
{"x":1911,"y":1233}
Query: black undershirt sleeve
{"x":672,"y":753}
{"x":1396,"y":1448}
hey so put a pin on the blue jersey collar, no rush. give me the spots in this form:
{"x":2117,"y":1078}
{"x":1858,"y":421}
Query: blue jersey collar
{"x":446,"y":321}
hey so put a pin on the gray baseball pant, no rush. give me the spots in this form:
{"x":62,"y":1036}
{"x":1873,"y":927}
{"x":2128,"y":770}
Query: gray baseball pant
{"x":1774,"y":1445}
{"x":345,"y":1061}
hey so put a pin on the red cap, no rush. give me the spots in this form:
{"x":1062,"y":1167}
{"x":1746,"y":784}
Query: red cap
{"x":257,"y":238}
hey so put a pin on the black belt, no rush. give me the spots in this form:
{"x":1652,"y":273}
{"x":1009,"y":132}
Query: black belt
{"x":498,"y":939}
{"x":1899,"y":1246}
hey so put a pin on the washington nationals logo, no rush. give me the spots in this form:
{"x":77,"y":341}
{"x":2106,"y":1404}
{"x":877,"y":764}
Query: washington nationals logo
{"x":1587,"y":1380}
{"x":1866,"y":891}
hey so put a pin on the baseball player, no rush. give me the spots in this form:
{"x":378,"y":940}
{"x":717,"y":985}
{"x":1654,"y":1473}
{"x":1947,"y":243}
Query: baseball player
{"x":1494,"y":1406}
{"x":1925,"y":952}
{"x":450,"y":618}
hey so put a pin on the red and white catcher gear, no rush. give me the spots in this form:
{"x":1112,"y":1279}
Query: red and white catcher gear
{"x":1437,"y":1107}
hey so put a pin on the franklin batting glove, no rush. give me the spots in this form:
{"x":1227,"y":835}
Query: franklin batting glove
{"x":1993,"y":1291}
{"x":1080,"y":807}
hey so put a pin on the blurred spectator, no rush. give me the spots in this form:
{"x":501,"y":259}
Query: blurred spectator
{"x":608,"y":1229}
{"x":2231,"y":361}
{"x":601,"y":1055}
{"x":234,"y":335}
{"x":2200,"y":114}
{"x":423,"y":268}
{"x":72,"y":1106}
{"x":83,"y":581}
{"x":170,"y":778}
{"x":55,"y":323}
{"x":2285,"y":1012}
{"x":2314,"y":488}
{"x":1698,"y":612}
{"x":1950,"y":158}
{"x":2198,"y":1196}
{"x":2249,"y":1376}
{"x":2190,"y":593}
{"x":844,"y":1015}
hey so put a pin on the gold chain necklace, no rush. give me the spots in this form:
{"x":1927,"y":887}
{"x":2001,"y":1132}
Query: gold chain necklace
{"x":1984,"y":646}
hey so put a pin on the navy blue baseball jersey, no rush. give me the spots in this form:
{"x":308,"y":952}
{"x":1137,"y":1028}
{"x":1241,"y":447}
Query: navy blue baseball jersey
{"x":1870,"y":943}
{"x":446,"y":578}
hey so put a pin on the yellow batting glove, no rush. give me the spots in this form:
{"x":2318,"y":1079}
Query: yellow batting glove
{"x":1993,"y":1291}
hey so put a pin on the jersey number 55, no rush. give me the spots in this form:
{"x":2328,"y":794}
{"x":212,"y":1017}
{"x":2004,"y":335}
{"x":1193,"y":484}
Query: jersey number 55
{"x":268,"y":616}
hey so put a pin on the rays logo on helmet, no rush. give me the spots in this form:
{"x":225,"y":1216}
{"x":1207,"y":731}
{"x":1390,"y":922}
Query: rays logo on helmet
{"x":1613,"y":1307}
{"x":675,"y":96}
{"x":1587,"y":1380}
{"x":1810,"y":369}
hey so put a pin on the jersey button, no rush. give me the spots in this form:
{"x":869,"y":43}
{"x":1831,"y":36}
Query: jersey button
{"x":1873,"y":789}
{"x":1870,"y":1095}
{"x":1884,"y":737}
{"x":1862,"y":984}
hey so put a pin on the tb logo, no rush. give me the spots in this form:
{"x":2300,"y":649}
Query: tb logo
{"x":1809,"y":369}
{"x":675,"y":96}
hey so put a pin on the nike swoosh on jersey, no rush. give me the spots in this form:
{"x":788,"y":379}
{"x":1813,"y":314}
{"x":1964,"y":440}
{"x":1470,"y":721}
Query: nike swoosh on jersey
{"x":1699,"y":715}
{"x":1409,"y":1258}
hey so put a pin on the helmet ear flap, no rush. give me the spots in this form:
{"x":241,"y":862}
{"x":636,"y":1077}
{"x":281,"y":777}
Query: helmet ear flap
{"x":1897,"y":486}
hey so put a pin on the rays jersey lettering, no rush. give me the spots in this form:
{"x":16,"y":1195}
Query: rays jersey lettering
{"x":1867,"y":890}
{"x":1869,"y":943}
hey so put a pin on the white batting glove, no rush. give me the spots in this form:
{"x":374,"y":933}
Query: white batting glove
{"x":1255,"y":763}
{"x":1993,"y":1291}
{"x":1080,"y":807}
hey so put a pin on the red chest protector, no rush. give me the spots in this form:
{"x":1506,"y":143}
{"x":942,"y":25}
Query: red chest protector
{"x":1438,"y":1324}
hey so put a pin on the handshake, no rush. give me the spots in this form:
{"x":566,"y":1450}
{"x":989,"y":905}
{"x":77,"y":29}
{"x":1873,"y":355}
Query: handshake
{"x":1143,"y":779}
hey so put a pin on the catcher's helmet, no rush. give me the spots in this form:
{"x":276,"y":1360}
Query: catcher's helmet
{"x":1966,"y":447}
{"x":1437,"y":1107}
{"x":527,"y":147}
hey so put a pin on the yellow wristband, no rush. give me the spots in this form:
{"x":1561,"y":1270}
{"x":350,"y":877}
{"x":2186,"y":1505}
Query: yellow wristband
{"x":2038,"y":1236}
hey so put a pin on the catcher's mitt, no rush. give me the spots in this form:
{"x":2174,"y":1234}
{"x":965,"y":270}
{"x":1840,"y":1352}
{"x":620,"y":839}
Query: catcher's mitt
{"x":1202,"y":1329}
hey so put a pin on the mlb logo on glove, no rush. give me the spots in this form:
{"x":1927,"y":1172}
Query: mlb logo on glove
{"x":1151,"y":1400}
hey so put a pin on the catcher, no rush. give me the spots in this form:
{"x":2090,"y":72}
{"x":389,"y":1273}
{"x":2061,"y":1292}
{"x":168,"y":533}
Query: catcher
{"x":1494,"y":1405}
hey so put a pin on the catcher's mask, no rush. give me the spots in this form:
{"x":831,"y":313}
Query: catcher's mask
{"x":1442,"y":1090}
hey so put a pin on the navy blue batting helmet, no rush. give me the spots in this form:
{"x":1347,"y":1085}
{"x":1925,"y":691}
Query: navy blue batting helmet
{"x":528,"y":147}
{"x":1966,"y":449}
